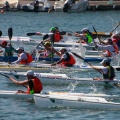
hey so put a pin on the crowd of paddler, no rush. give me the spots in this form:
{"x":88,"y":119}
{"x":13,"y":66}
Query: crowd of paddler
{"x":66,"y":59}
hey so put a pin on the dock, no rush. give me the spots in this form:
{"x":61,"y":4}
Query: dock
{"x":93,"y":4}
{"x":104,"y":5}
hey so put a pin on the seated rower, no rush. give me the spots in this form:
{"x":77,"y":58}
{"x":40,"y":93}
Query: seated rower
{"x":109,"y":48}
{"x":33,"y":84}
{"x":85,"y":37}
{"x":48,"y":51}
{"x":107,"y":70}
{"x":66,"y":59}
{"x":23,"y":57}
{"x":55,"y":36}
{"x":7,"y":49}
{"x":116,"y":38}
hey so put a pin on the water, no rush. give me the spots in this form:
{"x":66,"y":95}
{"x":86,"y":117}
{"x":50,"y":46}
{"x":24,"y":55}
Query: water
{"x":25,"y":22}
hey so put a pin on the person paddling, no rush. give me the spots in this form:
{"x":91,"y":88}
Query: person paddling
{"x":85,"y":37}
{"x":7,"y":50}
{"x":55,"y":36}
{"x":48,"y":51}
{"x":33,"y":84}
{"x":109,"y":48}
{"x":23,"y":57}
{"x":66,"y":59}
{"x":107,"y":70}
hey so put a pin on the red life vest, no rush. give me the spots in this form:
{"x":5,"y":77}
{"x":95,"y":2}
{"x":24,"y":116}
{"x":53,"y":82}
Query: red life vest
{"x":115,"y":48}
{"x":69,"y":61}
{"x":37,"y":86}
{"x":57,"y":37}
{"x":28,"y":60}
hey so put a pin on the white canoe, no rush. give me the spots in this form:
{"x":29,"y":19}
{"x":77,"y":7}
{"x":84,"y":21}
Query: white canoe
{"x":47,"y":101}
{"x":14,"y":94}
{"x":16,"y":39}
{"x":86,"y":95}
{"x":46,"y":67}
{"x":54,"y":78}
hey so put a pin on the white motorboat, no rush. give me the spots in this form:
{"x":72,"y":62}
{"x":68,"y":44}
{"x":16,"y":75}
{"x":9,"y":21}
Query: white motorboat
{"x":38,"y":6}
{"x":47,"y":101}
{"x":71,"y":5}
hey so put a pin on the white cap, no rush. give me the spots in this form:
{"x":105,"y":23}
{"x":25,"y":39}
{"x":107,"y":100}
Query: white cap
{"x":30,"y":72}
{"x":106,"y":60}
{"x":20,"y":48}
{"x":85,"y":29}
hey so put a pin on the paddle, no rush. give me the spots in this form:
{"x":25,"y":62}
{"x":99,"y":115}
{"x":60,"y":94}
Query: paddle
{"x":97,"y":34}
{"x":44,"y":37}
{"x":115,"y":27}
{"x":34,"y":33}
{"x":0,"y":33}
{"x":38,"y":33}
{"x":80,"y":57}
{"x":10,"y":34}
{"x":9,"y":77}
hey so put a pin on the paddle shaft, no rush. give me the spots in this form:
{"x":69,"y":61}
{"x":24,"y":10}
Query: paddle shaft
{"x":78,"y":56}
{"x":9,"y":78}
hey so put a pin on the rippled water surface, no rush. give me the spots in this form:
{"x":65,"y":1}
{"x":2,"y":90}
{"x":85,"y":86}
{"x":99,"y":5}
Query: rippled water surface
{"x":25,"y":22}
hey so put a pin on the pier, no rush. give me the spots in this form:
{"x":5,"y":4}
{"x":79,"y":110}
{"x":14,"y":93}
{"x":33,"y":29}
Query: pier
{"x":93,"y":4}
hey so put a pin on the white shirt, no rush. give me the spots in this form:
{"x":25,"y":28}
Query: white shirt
{"x":110,"y":48}
{"x":105,"y":70}
{"x":22,"y":56}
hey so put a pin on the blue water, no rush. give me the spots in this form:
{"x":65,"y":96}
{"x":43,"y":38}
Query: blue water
{"x":25,"y":22}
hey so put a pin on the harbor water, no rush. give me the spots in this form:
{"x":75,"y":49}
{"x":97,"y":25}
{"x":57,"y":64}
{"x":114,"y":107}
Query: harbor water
{"x":26,"y":22}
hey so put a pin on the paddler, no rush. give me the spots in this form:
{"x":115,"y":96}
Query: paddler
{"x":48,"y":51}
{"x":7,"y":49}
{"x":33,"y":84}
{"x":23,"y":57}
{"x":66,"y":59}
{"x":107,"y":70}
{"x":55,"y":36}
{"x":109,"y":48}
{"x":85,"y":37}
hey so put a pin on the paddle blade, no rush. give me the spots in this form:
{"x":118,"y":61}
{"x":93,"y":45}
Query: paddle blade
{"x":10,"y":33}
{"x":62,"y":33}
{"x":118,"y":69}
{"x":0,"y":33}
{"x":45,"y":36}
{"x":77,"y":55}
{"x":4,"y":75}
{"x":30,"y":34}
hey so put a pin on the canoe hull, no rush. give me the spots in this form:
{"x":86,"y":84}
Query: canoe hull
{"x":47,"y":101}
{"x":54,"y":78}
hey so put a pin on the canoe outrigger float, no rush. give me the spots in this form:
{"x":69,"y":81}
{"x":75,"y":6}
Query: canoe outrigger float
{"x":54,"y":78}
{"x":47,"y":101}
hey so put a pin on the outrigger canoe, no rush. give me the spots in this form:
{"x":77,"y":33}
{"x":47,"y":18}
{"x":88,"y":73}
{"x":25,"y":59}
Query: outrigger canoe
{"x":55,"y":78}
{"x":71,"y":100}
{"x":35,"y":66}
{"x":14,"y":94}
{"x":47,"y":101}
